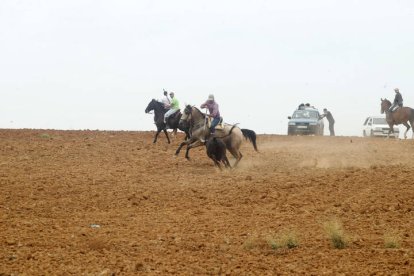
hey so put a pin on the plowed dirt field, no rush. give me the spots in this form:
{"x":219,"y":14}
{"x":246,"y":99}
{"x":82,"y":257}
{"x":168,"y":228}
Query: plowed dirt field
{"x":112,"y":203}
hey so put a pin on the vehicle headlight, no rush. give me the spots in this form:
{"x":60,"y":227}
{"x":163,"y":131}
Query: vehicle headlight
{"x":292,"y":124}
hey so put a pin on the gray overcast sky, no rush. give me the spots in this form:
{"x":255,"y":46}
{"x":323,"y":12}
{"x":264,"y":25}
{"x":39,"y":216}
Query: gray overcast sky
{"x":96,"y":64}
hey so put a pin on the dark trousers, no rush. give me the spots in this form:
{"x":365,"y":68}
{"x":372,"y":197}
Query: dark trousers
{"x":331,"y":128}
{"x":214,"y":123}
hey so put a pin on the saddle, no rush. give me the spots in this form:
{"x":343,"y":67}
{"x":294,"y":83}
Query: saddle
{"x":395,"y":109}
{"x":175,"y":114}
{"x":220,"y":124}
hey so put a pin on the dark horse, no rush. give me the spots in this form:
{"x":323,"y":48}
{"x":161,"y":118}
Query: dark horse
{"x":402,"y":115}
{"x":232,"y":136}
{"x":173,"y":120}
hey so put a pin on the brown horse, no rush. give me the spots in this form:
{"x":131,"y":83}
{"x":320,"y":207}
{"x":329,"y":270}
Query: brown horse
{"x":231,"y":135}
{"x":402,"y":115}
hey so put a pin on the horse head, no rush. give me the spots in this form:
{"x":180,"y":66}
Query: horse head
{"x":186,"y":114}
{"x":154,"y":105}
{"x":385,"y":105}
{"x":150,"y":107}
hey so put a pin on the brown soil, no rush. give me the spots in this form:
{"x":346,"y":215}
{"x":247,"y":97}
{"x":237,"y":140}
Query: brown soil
{"x":104,"y":203}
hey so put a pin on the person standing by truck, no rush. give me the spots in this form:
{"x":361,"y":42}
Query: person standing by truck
{"x":330,"y":119}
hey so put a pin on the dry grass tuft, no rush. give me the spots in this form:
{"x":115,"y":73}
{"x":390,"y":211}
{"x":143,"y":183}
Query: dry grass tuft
{"x":392,"y":240}
{"x":336,"y":233}
{"x":287,"y":239}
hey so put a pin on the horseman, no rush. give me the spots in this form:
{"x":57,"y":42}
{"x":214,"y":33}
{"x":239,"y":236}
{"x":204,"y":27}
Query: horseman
{"x":213,"y":108}
{"x":173,"y":107}
{"x":398,"y":101}
{"x":166,"y":101}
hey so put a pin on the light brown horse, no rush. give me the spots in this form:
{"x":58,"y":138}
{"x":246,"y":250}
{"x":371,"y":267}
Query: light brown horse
{"x":402,"y":115}
{"x":231,"y":135}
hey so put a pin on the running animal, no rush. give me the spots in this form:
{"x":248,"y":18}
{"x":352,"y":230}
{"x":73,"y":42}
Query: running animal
{"x":216,"y":150}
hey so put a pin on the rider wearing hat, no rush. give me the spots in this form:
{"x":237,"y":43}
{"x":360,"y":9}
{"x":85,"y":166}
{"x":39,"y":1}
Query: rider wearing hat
{"x":174,"y":106}
{"x":398,"y":100}
{"x":213,"y":108}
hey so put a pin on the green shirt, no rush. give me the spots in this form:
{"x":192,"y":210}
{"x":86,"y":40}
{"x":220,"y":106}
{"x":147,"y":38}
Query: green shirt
{"x":175,"y":104}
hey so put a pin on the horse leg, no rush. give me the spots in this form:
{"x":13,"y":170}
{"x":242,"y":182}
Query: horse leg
{"x":195,"y":144}
{"x":412,"y":128}
{"x":391,"y":125}
{"x":236,"y":154}
{"x":389,"y":132}
{"x":238,"y":160}
{"x":187,"y":135}
{"x":226,"y":162}
{"x":187,"y":142}
{"x":156,"y":136}
{"x":408,"y":128}
{"x":217,"y":163}
{"x":166,"y":134}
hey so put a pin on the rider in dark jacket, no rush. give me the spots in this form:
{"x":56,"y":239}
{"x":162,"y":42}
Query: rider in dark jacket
{"x":328,"y":115}
{"x":398,"y":100}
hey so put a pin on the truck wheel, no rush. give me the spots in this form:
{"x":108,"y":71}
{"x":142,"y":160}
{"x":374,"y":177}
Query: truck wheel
{"x":364,"y":134}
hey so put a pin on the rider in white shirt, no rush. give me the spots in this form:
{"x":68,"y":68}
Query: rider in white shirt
{"x":166,"y":100}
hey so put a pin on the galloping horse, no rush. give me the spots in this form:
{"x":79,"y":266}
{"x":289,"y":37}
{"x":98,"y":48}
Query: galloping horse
{"x":199,"y":130}
{"x":402,"y":115}
{"x":173,"y":120}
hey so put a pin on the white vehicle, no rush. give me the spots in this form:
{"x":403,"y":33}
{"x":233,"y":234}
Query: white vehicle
{"x":377,"y":126}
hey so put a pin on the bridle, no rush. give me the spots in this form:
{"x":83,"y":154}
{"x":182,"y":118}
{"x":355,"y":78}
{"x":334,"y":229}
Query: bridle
{"x":189,"y":118}
{"x":385,"y":106}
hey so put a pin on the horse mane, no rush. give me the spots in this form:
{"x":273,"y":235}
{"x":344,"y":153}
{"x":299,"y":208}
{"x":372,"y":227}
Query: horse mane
{"x":204,"y":115}
{"x":199,"y":111}
{"x":160,"y":104}
{"x":387,"y":101}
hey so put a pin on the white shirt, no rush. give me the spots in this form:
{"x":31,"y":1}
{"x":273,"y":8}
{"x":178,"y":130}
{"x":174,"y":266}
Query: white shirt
{"x":166,"y":101}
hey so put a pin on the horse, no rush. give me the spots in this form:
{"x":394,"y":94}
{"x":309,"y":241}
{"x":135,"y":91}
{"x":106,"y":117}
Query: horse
{"x":173,"y":120}
{"x":402,"y":115}
{"x":199,"y":130}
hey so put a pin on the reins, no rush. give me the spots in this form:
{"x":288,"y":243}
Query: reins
{"x":199,"y":124}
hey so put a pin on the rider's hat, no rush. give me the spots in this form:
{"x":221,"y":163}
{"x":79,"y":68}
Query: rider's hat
{"x":211,"y":97}
{"x":172,"y":94}
{"x":396,"y":90}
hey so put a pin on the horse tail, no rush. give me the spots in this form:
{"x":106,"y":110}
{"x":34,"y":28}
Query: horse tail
{"x":251,"y":136}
